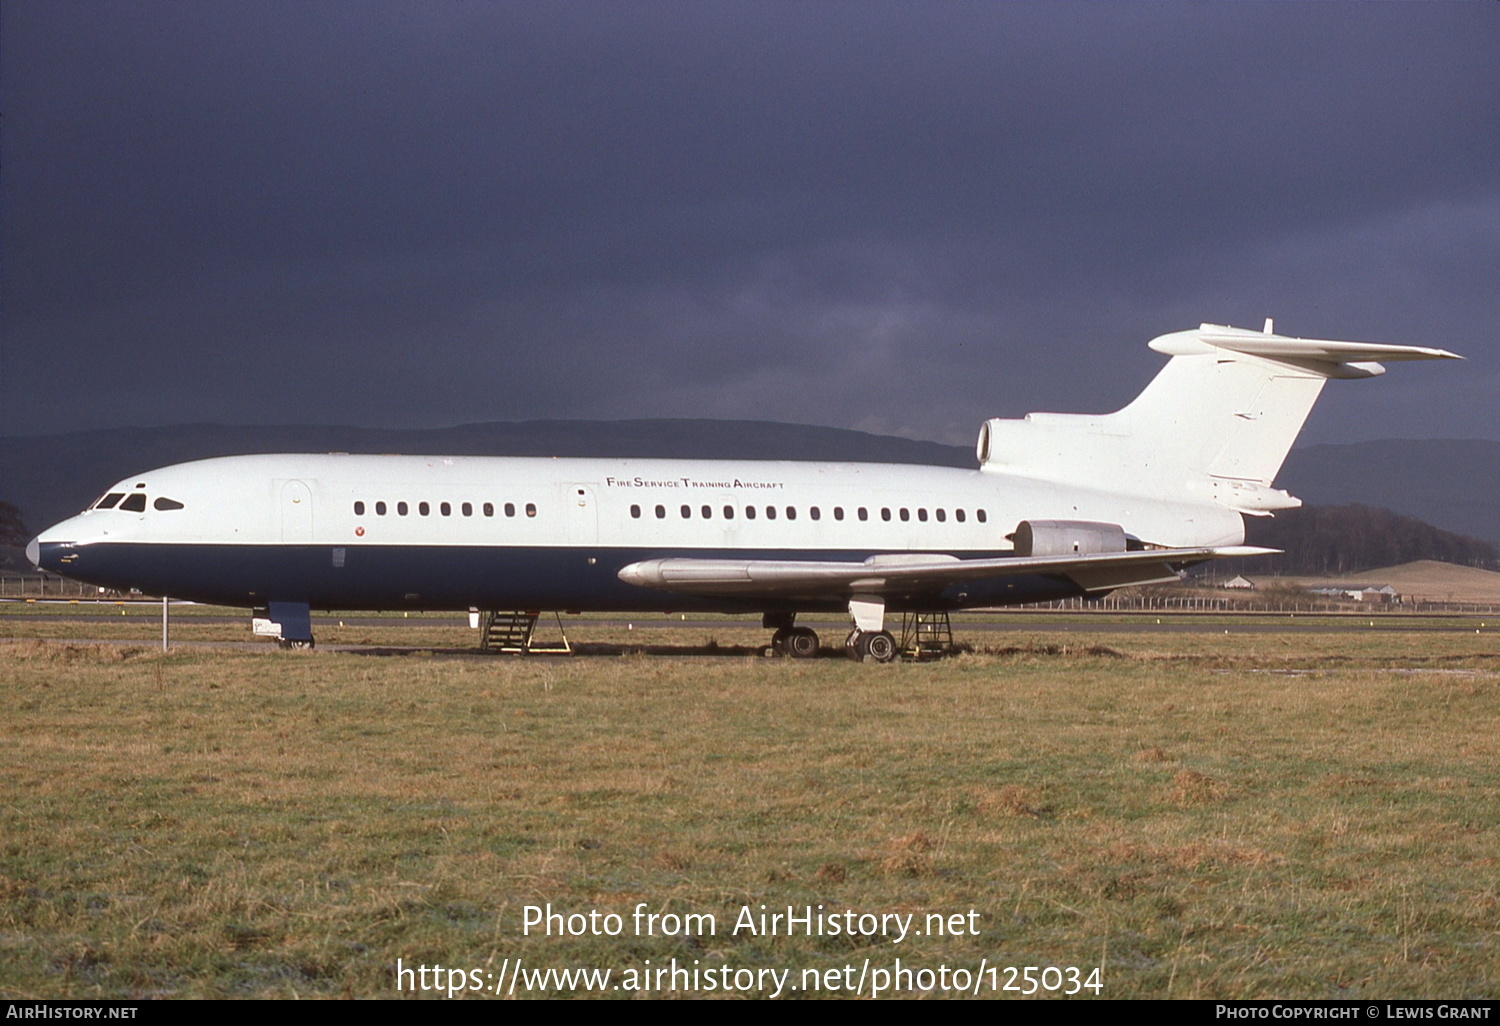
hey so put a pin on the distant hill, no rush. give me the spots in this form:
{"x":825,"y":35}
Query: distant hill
{"x":13,"y":538}
{"x":1352,"y":538}
{"x":1453,"y":484}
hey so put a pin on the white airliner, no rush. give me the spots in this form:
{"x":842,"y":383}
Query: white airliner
{"x":1060,"y":505}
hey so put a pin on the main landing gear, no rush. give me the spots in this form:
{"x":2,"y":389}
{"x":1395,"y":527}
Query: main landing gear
{"x":790,"y":640}
{"x":868,"y":642}
{"x":797,"y":642}
{"x":878,"y":646}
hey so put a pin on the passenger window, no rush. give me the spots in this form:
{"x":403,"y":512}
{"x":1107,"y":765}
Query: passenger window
{"x":446,"y":510}
{"x":661,"y":512}
{"x":708,"y":512}
{"x":864,"y":514}
{"x":380,"y":509}
{"x":135,"y":503}
{"x":531,"y":509}
{"x":981,"y":515}
{"x":635,"y":511}
{"x":164,"y":503}
{"x":687,"y":512}
{"x":905,"y":515}
{"x":942,"y":516}
{"x":922,"y":515}
{"x":401,"y":509}
{"x":423,"y":508}
{"x":770,"y":512}
{"x":791,"y":512}
{"x":728,"y":512}
{"x":885,"y":513}
{"x":815,"y":514}
{"x":958,"y":515}
{"x":468,"y":509}
{"x":510,"y":509}
{"x":359,"y":509}
{"x":108,"y":502}
{"x":749,"y":512}
{"x":838,"y":512}
{"x":489,"y":509}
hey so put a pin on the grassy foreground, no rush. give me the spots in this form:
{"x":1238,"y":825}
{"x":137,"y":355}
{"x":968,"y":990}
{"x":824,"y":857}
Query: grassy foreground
{"x":1197,"y":815}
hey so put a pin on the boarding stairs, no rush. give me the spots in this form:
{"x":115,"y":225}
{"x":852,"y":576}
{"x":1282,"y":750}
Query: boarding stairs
{"x":514,"y":631}
{"x":926,"y":635}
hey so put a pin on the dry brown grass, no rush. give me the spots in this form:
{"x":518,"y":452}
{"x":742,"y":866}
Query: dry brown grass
{"x":1202,"y":815}
{"x":1012,"y":800}
{"x":1193,"y":788}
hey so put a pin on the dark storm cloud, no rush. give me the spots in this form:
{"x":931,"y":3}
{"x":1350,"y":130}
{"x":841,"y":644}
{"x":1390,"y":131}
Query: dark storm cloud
{"x":903,"y":217}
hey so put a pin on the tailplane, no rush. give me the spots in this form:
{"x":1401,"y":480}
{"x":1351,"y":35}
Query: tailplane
{"x":1215,"y":423}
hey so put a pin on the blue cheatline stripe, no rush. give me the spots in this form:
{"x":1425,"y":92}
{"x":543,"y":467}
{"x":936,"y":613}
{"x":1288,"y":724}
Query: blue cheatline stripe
{"x":463,"y":577}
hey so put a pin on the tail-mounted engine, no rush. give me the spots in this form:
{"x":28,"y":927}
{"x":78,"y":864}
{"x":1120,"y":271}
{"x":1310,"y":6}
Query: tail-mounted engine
{"x":1067,"y":537}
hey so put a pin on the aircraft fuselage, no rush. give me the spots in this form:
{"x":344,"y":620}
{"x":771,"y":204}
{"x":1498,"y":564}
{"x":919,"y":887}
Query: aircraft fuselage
{"x":417,"y":532}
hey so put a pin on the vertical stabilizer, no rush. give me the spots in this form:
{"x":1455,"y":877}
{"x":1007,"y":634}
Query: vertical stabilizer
{"x":1215,"y":423}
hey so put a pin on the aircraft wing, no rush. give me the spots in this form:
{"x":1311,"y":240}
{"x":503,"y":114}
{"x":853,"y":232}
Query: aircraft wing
{"x":911,"y":573}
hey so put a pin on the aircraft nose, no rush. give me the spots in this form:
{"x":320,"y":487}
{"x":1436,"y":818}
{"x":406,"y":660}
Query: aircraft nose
{"x":34,"y":552}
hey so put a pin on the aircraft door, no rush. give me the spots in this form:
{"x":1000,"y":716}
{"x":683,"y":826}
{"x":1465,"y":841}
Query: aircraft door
{"x":296,"y":512}
{"x":582,"y":514}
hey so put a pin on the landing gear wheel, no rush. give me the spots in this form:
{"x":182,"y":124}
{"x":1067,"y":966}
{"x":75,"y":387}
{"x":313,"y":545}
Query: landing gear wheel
{"x":801,"y":643}
{"x":877,"y":645}
{"x":779,"y":640}
{"x":294,"y":643}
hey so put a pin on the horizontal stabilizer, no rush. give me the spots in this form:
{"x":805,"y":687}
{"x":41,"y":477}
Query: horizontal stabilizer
{"x":1270,"y":346}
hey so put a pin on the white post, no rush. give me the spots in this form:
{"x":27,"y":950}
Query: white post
{"x":163,"y":623}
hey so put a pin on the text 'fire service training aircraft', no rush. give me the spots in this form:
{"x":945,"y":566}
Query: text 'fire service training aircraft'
{"x":1060,"y":505}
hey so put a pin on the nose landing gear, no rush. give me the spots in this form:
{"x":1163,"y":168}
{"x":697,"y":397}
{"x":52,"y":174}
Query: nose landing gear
{"x":290,"y":623}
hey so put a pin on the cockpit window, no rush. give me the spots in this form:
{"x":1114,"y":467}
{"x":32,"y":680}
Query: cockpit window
{"x":134,"y":503}
{"x":108,"y":502}
{"x":162,"y":502}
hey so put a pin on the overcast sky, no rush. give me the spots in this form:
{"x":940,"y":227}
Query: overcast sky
{"x":898,"y":217}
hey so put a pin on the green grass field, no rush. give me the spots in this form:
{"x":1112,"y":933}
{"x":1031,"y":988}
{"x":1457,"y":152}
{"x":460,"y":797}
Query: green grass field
{"x":1196,"y":815}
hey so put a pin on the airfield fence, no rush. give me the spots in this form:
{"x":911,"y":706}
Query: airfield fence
{"x":46,"y":586}
{"x":1279,"y":602}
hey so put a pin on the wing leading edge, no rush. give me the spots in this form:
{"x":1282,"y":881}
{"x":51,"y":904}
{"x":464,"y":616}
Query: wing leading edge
{"x":904,"y":573}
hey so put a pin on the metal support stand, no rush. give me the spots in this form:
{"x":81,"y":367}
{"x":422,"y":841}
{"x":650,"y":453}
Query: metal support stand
{"x":515,"y":632}
{"x":926,"y":634}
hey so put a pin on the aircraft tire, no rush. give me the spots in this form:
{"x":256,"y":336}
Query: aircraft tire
{"x":294,"y":643}
{"x":879,"y":646}
{"x":801,"y":643}
{"x":780,"y":641}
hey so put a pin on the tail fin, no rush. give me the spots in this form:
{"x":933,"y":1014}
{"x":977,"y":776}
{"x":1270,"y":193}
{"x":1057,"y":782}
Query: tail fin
{"x":1215,"y":423}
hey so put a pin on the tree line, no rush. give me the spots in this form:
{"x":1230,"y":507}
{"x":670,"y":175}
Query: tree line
{"x":1338,"y":540}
